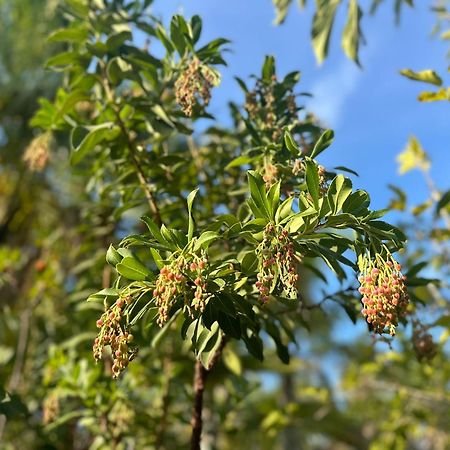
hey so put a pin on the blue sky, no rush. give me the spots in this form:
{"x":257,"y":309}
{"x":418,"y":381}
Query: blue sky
{"x":373,"y":111}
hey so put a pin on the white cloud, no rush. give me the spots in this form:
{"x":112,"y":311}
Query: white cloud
{"x":332,"y":90}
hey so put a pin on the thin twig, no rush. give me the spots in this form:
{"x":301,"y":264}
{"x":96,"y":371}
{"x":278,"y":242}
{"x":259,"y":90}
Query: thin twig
{"x":132,"y":149}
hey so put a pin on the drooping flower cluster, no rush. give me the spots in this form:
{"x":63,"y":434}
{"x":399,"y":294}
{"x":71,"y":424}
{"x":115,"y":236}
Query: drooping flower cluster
{"x":181,"y":277}
{"x":113,"y":334}
{"x":37,"y":153}
{"x":270,"y":174}
{"x":50,"y":408}
{"x":423,"y":344}
{"x":194,"y":84}
{"x":277,"y":264}
{"x":384,"y":295}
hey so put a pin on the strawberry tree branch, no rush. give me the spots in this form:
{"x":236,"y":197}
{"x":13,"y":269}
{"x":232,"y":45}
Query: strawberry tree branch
{"x":200,"y":376}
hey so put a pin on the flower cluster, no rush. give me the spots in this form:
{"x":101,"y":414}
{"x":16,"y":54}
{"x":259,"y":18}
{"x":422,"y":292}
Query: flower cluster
{"x":50,"y":408}
{"x":271,"y":106}
{"x":383,"y":291}
{"x":322,"y":180}
{"x":271,"y":174}
{"x":181,"y":277}
{"x":112,"y":334}
{"x":423,"y":344}
{"x":193,"y":84}
{"x":277,"y":264}
{"x":37,"y":153}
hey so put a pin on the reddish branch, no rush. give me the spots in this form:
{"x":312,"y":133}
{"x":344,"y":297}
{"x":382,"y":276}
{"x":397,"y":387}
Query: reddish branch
{"x":200,"y":376}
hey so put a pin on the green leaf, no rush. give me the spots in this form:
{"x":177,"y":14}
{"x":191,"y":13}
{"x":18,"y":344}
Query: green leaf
{"x":284,"y":210}
{"x":72,"y":34}
{"x":100,"y":295}
{"x":159,"y":111}
{"x":115,"y":40}
{"x":441,"y":94}
{"x":255,"y":346}
{"x":258,"y":193}
{"x":341,"y":221}
{"x":273,"y":197}
{"x":426,"y":76}
{"x":156,"y":233}
{"x":166,"y":42}
{"x":205,"y":240}
{"x":338,"y":192}
{"x":356,"y":203}
{"x":232,"y":361}
{"x":291,"y":144}
{"x":62,"y":59}
{"x":68,"y":102}
{"x":191,"y":225}
{"x":413,"y":157}
{"x":249,"y":263}
{"x":163,"y":331}
{"x":443,"y":202}
{"x":312,"y":181}
{"x":113,"y":256}
{"x":297,"y":220}
{"x":224,"y":302}
{"x":346,"y":169}
{"x":84,"y":139}
{"x":352,"y":31}
{"x":416,"y":268}
{"x":239,"y":161}
{"x":132,"y":269}
{"x":325,"y":140}
{"x":322,"y":25}
{"x":157,"y":258}
{"x":268,"y":69}
{"x":230,"y":325}
{"x":196,"y":25}
{"x":281,"y":8}
{"x":178,"y":30}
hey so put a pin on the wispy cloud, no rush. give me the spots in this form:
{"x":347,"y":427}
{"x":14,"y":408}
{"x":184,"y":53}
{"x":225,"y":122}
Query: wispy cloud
{"x":331,"y":92}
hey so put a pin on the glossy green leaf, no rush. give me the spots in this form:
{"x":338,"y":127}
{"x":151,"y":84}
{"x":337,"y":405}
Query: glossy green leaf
{"x":338,"y":192}
{"x":258,"y":192}
{"x":113,"y":257}
{"x":84,"y":139}
{"x":325,"y":140}
{"x":291,"y":144}
{"x":191,"y":223}
{"x":132,"y":269}
{"x":312,"y":181}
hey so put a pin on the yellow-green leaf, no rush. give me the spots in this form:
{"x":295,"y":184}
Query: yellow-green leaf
{"x":427,"y":76}
{"x":441,"y":94}
{"x":413,"y":157}
{"x":322,"y":25}
{"x":352,"y":31}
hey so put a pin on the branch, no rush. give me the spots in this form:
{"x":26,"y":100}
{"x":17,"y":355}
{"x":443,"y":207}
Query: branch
{"x":132,"y":149}
{"x":140,"y":172}
{"x":200,"y":375}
